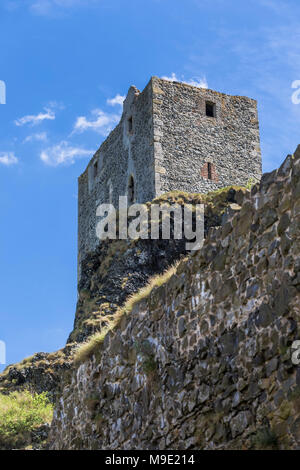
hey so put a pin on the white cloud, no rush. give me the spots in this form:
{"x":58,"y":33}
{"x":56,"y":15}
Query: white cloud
{"x":39,"y":137}
{"x":36,"y":119}
{"x":8,"y":158}
{"x":63,"y":154}
{"x":118,"y":99}
{"x":101,"y":122}
{"x":198,"y":82}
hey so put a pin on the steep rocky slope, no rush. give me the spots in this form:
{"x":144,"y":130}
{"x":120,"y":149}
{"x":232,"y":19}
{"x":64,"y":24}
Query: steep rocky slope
{"x":204,"y":361}
{"x":110,"y":275}
{"x":119,"y":268}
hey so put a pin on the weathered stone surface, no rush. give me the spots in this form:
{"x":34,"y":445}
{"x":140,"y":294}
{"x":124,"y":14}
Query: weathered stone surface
{"x":219,"y":373}
{"x":119,"y":268}
{"x":40,"y":373}
{"x":240,"y":422}
{"x":168,"y":146}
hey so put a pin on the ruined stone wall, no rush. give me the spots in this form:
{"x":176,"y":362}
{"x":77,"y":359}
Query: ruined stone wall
{"x":124,"y":153}
{"x":186,"y":139}
{"x":119,"y":268}
{"x":168,"y":146}
{"x":204,"y":362}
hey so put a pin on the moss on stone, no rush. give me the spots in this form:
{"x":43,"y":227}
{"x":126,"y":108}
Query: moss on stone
{"x":265,"y":439}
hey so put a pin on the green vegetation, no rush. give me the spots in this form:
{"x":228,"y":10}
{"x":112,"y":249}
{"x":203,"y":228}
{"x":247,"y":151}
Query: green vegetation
{"x":265,"y":439}
{"x":250,"y":183}
{"x":86,"y":349}
{"x":182,"y":197}
{"x":149,"y":366}
{"x":21,"y":413}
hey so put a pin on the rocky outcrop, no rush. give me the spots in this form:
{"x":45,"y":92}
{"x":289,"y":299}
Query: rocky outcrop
{"x":39,"y":373}
{"x":204,"y":361}
{"x":117,"y":269}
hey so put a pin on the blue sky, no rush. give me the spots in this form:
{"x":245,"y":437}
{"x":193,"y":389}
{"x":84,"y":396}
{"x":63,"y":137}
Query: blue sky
{"x":66,"y":64}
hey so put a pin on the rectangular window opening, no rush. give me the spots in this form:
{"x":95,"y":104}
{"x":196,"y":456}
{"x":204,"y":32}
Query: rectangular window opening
{"x":210,"y":109}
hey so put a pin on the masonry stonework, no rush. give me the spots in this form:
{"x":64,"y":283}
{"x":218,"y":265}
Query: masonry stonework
{"x":186,"y":139}
{"x":165,"y":141}
{"x":123,"y":155}
{"x":204,"y":361}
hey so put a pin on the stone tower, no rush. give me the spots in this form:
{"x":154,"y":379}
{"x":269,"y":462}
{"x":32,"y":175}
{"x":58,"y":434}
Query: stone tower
{"x":171,"y":136}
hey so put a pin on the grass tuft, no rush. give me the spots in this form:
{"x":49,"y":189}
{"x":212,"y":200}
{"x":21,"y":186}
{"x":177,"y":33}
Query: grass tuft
{"x":87,"y":349}
{"x":143,"y":293}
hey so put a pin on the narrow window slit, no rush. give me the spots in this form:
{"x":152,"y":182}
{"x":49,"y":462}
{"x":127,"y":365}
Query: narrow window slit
{"x":130,"y":125}
{"x":95,"y":169}
{"x":131,"y":190}
{"x":209,"y":171}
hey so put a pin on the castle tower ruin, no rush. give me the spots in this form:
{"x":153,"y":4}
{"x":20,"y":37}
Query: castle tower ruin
{"x":171,"y":136}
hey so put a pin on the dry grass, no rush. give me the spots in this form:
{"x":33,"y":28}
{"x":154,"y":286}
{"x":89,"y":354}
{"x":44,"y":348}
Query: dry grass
{"x":143,"y":293}
{"x":182,"y":197}
{"x":86,"y":350}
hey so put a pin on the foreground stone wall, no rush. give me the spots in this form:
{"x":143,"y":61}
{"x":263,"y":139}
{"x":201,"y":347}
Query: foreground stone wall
{"x":205,"y":361}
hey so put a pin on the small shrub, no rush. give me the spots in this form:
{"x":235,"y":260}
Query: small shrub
{"x":149,"y":365}
{"x":265,"y":438}
{"x":20,"y":414}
